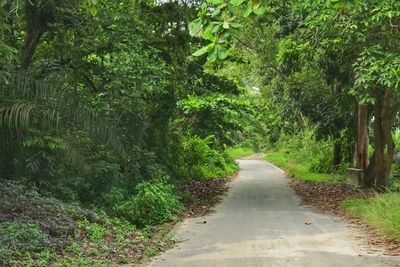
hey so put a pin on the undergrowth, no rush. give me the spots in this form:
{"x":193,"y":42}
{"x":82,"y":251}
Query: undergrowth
{"x":155,"y":203}
{"x":200,"y":161}
{"x":240,"y":152}
{"x":305,"y":157}
{"x":39,"y":231}
{"x":382,"y":212}
{"x":300,"y":170}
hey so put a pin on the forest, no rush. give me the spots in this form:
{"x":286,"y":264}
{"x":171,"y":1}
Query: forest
{"x":109,"y":108}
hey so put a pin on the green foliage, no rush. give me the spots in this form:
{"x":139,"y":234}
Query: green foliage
{"x":394,"y":185}
{"x":216,"y":115}
{"x":240,"y":152}
{"x":218,"y":23}
{"x":20,"y":240}
{"x":154,"y":203}
{"x":40,"y":231}
{"x":94,"y":231}
{"x":306,"y":157}
{"x":103,"y":96}
{"x":381,"y":212}
{"x":200,"y":161}
{"x":396,"y":138}
{"x":300,"y":170}
{"x":303,"y":146}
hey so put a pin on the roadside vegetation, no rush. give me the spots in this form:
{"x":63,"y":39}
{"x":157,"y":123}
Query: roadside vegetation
{"x":304,"y":157}
{"x":299,"y":170}
{"x":382,"y":212}
{"x":321,"y":65}
{"x":116,"y":115}
{"x":240,"y":152}
{"x":109,"y":127}
{"x":41,"y":231}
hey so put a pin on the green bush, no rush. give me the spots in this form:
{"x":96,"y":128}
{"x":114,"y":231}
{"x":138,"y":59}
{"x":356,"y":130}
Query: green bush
{"x":40,"y":231}
{"x":304,"y":147}
{"x":200,"y":161}
{"x":323,"y":160}
{"x":315,"y":154}
{"x":394,"y":186}
{"x":154,"y":203}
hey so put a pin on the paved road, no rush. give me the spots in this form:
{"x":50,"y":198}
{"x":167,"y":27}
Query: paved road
{"x":260,"y":223}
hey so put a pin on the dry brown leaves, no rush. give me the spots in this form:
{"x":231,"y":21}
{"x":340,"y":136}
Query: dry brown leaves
{"x":328,"y":197}
{"x":206,"y":194}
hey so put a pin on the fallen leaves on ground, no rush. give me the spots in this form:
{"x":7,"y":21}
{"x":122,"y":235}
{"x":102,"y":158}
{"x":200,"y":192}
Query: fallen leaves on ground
{"x":328,"y":197}
{"x":203,"y":195}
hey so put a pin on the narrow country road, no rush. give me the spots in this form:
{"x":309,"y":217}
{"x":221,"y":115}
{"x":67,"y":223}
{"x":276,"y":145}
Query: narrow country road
{"x":260,"y":223}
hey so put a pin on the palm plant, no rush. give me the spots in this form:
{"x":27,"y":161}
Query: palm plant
{"x":27,"y":104}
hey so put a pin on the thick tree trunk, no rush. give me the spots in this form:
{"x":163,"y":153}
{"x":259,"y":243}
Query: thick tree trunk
{"x":379,"y":168}
{"x":38,"y":14}
{"x":31,"y":42}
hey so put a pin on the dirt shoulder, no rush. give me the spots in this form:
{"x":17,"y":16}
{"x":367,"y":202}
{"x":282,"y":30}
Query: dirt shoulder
{"x":328,"y":197}
{"x":203,"y":196}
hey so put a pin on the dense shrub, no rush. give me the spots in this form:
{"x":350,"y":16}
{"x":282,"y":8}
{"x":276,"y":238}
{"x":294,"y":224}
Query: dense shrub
{"x":304,"y":147}
{"x":155,"y":202}
{"x":323,"y":160}
{"x":200,"y":161}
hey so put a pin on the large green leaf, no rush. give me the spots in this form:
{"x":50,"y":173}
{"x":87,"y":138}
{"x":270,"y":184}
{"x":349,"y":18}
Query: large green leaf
{"x":215,"y":2}
{"x":248,"y":10}
{"x":221,"y":52}
{"x":195,"y":26}
{"x":237,"y":2}
{"x":259,"y":11}
{"x":204,"y":50}
{"x":213,"y":55}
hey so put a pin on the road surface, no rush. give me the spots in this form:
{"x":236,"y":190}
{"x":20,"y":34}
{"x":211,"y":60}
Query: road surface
{"x":260,"y":223}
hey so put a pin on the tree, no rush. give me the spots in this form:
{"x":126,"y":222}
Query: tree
{"x":354,"y":42}
{"x":368,"y":33}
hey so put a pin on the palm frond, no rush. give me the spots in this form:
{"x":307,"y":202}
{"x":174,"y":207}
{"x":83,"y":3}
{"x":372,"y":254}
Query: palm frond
{"x":26,"y":102}
{"x":22,"y":116}
{"x":73,"y":157}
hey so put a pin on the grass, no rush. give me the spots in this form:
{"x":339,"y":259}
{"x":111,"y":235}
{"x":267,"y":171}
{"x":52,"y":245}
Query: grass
{"x":240,"y":152}
{"x":300,"y":170}
{"x":382,"y":212}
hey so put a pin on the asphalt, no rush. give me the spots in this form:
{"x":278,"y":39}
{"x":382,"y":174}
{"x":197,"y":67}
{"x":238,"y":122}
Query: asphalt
{"x":261,"y":223}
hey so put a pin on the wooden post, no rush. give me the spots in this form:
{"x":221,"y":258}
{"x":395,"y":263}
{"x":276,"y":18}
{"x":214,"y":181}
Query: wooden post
{"x":362,"y":137}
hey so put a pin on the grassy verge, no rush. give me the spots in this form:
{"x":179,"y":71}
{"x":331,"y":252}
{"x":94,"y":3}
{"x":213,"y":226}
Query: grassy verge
{"x":382,"y":212}
{"x":240,"y":152}
{"x":299,"y":169}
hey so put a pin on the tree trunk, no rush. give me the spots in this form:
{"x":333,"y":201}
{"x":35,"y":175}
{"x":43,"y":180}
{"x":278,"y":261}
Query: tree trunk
{"x":31,"y":42}
{"x":379,"y":168}
{"x":38,"y":14}
{"x":362,"y":137}
{"x":337,"y":154}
